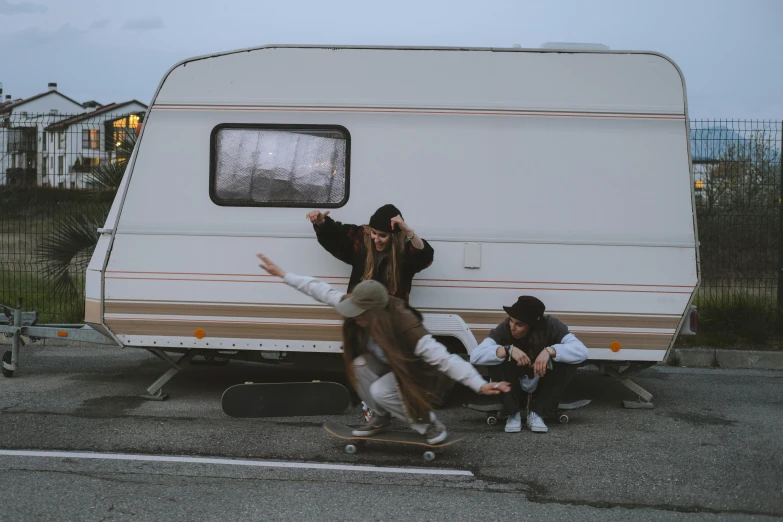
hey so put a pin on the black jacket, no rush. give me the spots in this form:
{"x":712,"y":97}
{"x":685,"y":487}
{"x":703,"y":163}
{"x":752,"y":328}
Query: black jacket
{"x":346,"y":243}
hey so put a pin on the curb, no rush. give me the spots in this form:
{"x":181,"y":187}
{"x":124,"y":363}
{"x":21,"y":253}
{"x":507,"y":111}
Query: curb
{"x":730,"y":359}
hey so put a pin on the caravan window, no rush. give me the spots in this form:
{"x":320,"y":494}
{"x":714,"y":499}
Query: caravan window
{"x":277,"y":165}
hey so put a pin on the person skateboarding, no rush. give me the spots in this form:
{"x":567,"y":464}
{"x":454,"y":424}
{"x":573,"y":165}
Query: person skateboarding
{"x":537,"y":354}
{"x":389,"y":356}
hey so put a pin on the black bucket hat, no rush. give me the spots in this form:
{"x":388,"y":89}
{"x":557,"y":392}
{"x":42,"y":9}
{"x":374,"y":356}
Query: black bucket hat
{"x":528,"y":309}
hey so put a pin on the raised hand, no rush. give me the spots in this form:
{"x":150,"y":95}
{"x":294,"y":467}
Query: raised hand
{"x":270,"y":267}
{"x":317,"y":217}
{"x":401,"y":225}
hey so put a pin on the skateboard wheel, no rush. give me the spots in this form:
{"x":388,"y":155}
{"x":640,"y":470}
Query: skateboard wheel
{"x":563,"y":418}
{"x":492,"y":420}
{"x":429,"y":455}
{"x":350,"y":448}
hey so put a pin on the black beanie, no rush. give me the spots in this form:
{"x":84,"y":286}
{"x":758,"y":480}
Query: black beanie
{"x":527,"y":309}
{"x":381,"y":220}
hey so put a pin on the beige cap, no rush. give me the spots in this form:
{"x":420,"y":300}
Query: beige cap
{"x":367,"y":295}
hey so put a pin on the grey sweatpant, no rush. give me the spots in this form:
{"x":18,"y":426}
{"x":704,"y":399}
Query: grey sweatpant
{"x":377,"y":387}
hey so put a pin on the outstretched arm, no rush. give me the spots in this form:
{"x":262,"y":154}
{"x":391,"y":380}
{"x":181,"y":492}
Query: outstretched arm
{"x":435,"y":354}
{"x":315,"y":288}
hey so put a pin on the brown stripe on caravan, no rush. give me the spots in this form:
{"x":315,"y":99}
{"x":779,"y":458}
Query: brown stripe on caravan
{"x":222,"y":310}
{"x":643,"y":341}
{"x":582,"y":319}
{"x":92,"y":311}
{"x":326,"y":313}
{"x":228,"y":330}
{"x":639,"y":321}
{"x":635,"y":341}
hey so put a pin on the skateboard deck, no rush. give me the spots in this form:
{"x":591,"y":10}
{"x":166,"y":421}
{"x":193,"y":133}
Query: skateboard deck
{"x":285,"y":399}
{"x":493,"y":410}
{"x":344,"y":432}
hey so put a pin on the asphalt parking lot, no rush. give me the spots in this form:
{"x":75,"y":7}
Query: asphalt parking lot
{"x":710,"y":448}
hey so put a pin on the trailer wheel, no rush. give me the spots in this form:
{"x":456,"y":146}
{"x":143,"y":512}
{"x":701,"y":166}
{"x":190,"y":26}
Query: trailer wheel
{"x":7,"y":360}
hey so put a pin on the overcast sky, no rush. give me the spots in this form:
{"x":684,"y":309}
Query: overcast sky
{"x":730,"y":51}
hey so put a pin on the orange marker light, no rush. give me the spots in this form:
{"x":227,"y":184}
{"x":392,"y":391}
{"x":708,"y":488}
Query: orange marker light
{"x":62,"y":333}
{"x":615,"y":346}
{"x":199,"y":333}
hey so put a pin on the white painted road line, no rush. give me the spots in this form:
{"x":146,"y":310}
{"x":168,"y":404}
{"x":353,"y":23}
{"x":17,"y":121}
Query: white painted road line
{"x":230,"y":462}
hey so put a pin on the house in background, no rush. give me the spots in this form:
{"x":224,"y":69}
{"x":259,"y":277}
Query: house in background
{"x":77,"y":145}
{"x":52,"y":140}
{"x":22,"y":138}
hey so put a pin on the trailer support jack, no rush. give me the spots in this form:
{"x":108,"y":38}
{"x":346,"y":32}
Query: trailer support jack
{"x":155,"y":391}
{"x":645,"y":397}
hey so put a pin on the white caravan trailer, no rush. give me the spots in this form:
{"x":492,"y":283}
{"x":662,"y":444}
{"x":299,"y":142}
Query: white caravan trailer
{"x":561,"y":174}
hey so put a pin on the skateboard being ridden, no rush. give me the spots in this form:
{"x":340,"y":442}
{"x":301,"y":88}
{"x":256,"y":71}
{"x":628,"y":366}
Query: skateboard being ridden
{"x":395,"y":437}
{"x":538,"y":355}
{"x":390,"y":357}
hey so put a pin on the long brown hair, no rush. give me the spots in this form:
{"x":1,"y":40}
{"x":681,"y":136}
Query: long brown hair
{"x":397,"y":240}
{"x":418,"y":400}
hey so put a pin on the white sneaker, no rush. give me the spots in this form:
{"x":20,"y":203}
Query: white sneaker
{"x":536,"y":423}
{"x":514,"y":423}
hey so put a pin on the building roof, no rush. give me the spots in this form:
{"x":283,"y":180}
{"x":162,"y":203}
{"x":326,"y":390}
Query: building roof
{"x":6,"y":103}
{"x":108,"y":108}
{"x":18,"y":103}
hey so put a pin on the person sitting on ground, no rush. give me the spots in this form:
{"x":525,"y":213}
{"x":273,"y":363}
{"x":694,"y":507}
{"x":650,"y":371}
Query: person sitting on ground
{"x":537,"y":354}
{"x":389,"y":356}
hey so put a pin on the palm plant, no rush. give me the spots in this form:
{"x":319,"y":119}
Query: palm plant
{"x":66,"y":250}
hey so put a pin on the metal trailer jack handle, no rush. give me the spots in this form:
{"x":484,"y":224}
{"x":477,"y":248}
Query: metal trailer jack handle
{"x":645,"y":397}
{"x":155,"y":391}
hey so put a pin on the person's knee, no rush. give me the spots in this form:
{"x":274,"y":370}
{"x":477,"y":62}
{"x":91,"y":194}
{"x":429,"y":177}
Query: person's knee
{"x":359,"y":366}
{"x":382,"y":392}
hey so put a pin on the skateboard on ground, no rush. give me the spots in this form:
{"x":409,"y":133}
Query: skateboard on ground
{"x":399,"y":437}
{"x":285,"y":399}
{"x":493,"y":410}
